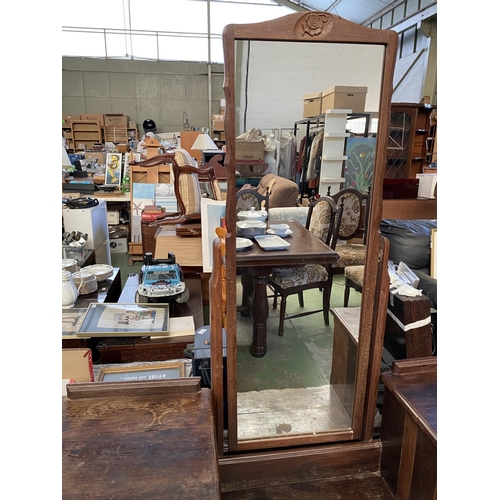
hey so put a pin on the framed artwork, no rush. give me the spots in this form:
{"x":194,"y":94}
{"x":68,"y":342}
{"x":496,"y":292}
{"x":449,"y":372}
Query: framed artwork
{"x":124,"y":320}
{"x":127,"y":159}
{"x":72,"y":320}
{"x":113,"y":174}
{"x":358,"y":172}
{"x":150,"y":371}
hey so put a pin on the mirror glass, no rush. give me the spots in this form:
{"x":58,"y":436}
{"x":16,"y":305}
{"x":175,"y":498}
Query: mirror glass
{"x":289,"y":390}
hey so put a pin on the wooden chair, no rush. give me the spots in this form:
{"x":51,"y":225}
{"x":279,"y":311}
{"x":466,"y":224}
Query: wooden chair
{"x":186,"y":180}
{"x":323,"y":213}
{"x":354,"y":276}
{"x":352,"y":225}
{"x":246,"y":199}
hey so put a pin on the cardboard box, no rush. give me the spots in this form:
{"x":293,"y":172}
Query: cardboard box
{"x":90,"y":156}
{"x":312,"y":104}
{"x":116,"y":120}
{"x":77,"y":365}
{"x":113,"y":217}
{"x":341,"y":97}
{"x":71,"y":118}
{"x":249,"y":150}
{"x":118,"y":245}
{"x":218,"y":122}
{"x":94,"y":118}
{"x":132,"y":125}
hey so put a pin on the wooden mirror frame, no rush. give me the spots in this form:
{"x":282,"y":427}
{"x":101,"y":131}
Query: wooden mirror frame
{"x":309,"y":27}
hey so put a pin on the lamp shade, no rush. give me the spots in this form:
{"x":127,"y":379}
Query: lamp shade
{"x":203,"y":142}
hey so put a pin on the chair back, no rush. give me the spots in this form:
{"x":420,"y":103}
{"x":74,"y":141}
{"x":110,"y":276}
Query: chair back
{"x":353,"y":222}
{"x":321,"y":218}
{"x":186,"y":180}
{"x":246,"y":199}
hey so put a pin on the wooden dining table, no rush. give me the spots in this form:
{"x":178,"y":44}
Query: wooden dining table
{"x":256,"y":265}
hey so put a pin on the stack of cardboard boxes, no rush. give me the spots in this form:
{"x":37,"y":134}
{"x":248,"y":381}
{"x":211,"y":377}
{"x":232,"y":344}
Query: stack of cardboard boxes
{"x":336,"y":97}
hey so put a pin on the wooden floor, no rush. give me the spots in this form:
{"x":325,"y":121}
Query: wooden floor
{"x":285,"y":411}
{"x":357,"y":487}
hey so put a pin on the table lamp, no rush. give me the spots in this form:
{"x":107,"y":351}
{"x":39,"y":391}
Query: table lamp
{"x":203,"y":142}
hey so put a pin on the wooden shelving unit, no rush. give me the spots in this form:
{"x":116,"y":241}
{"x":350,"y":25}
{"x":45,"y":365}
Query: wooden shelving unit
{"x":86,"y":133}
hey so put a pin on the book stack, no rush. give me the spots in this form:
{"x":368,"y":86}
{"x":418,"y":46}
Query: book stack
{"x":151,"y":212}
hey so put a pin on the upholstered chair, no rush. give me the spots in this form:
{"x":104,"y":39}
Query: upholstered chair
{"x":246,"y":199}
{"x":286,"y":281}
{"x":355,"y":214}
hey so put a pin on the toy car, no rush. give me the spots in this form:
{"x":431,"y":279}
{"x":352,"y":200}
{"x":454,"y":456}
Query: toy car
{"x":161,"y":278}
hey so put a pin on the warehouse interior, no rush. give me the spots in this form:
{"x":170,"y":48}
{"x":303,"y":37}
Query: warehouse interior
{"x":187,"y":91}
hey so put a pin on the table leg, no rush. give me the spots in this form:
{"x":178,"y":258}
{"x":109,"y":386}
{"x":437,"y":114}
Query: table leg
{"x":247,"y":292}
{"x":259,"y":313}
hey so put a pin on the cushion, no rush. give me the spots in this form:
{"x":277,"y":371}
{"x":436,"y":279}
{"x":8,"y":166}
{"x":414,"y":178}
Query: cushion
{"x":321,"y":217}
{"x":287,"y":277}
{"x":352,"y":254}
{"x":356,"y":274}
{"x":189,"y":187}
{"x":409,"y":241}
{"x":285,"y":214}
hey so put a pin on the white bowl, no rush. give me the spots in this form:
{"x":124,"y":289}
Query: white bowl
{"x":279,"y":228}
{"x":255,"y":215}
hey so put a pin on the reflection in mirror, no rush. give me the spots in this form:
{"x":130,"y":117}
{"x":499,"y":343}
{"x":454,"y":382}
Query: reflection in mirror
{"x":281,"y":390}
{"x":296,"y":388}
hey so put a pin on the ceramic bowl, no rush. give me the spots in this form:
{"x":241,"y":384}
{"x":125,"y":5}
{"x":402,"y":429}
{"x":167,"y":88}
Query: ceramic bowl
{"x":101,"y":271}
{"x":279,"y":229}
{"x":69,"y":265}
{"x":252,"y":215}
{"x":251,"y":228}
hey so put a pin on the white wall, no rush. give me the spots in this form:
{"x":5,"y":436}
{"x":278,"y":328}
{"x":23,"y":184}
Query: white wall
{"x":281,"y":73}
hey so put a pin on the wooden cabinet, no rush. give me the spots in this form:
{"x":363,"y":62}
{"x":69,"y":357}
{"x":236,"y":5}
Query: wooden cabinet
{"x":187,"y":141}
{"x":411,"y":140}
{"x":84,"y":134}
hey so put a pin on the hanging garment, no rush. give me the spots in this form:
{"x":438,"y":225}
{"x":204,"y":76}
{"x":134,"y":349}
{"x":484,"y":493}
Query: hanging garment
{"x":316,"y":150}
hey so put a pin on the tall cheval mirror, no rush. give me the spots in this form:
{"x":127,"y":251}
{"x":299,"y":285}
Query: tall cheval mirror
{"x":269,"y":67}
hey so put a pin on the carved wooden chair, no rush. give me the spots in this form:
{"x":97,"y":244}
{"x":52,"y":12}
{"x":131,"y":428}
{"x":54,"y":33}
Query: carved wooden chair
{"x":321,"y":222}
{"x":186,"y":180}
{"x":352,"y":225}
{"x":246,"y":199}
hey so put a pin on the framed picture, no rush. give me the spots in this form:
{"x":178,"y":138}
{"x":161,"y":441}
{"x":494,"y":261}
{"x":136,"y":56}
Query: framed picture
{"x":72,"y":320}
{"x":127,"y":159}
{"x":124,"y":320}
{"x":150,"y":371}
{"x":358,"y":173}
{"x":113,"y":169}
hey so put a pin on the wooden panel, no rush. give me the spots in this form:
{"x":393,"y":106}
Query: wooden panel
{"x":357,"y":487}
{"x":187,"y":140}
{"x":409,"y":429}
{"x":254,"y":470}
{"x":187,"y":250}
{"x":126,"y":434}
{"x":409,"y":209}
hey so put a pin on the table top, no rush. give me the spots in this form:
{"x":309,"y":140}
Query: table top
{"x":305,"y":248}
{"x":107,"y":291}
{"x":139,"y":440}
